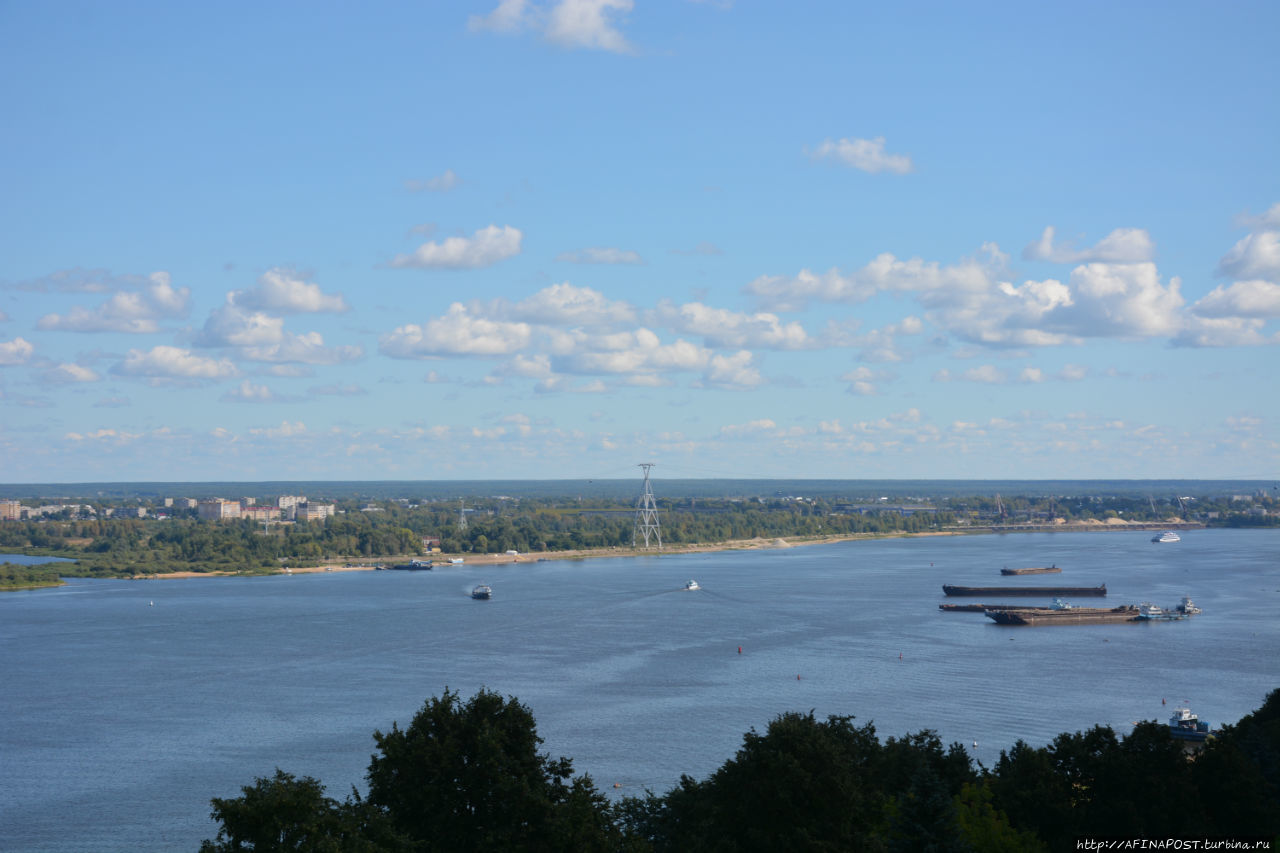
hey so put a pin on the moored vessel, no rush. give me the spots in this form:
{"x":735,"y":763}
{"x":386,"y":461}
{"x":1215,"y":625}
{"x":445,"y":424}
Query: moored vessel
{"x":1064,"y":616}
{"x":1046,"y":591}
{"x":1185,"y":725}
{"x":413,"y":566}
{"x":1032,"y":570}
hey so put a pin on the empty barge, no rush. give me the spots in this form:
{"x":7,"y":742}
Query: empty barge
{"x":1048,"y":591}
{"x":1032,"y":570}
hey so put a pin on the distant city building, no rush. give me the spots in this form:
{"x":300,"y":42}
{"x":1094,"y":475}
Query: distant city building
{"x":289,"y":504}
{"x":168,"y":501}
{"x":314,"y":512}
{"x":187,"y":503}
{"x":260,"y":513}
{"x":10,"y":510}
{"x":218,"y":510}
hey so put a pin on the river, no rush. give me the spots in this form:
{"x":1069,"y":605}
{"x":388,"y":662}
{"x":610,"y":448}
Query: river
{"x":128,"y":704}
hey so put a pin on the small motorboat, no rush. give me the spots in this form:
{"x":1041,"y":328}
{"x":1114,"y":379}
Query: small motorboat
{"x":483,"y":592}
{"x":692,"y":585}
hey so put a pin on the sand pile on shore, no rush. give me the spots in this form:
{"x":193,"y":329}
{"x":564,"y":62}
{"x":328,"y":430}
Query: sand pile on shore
{"x":781,"y":543}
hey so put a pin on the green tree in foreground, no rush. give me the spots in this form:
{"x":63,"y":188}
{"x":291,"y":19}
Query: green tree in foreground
{"x":467,"y":776}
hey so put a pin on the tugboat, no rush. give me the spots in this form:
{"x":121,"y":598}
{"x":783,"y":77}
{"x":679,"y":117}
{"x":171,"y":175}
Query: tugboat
{"x":692,"y":585}
{"x":1184,"y":725}
{"x":482,"y":593}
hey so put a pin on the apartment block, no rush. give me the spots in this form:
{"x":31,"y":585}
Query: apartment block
{"x":218,"y":510}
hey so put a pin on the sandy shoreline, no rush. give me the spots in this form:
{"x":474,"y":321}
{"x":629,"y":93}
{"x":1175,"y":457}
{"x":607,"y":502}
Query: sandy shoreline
{"x":355,"y":564}
{"x":349,"y":565}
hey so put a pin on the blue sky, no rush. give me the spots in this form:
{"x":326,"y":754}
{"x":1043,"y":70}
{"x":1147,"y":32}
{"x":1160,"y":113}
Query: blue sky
{"x":555,"y":239}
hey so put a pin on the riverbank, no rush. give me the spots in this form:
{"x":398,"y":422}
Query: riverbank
{"x":442,"y":560}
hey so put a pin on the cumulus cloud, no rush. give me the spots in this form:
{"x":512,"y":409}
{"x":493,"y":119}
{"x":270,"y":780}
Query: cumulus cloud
{"x":864,"y":381}
{"x":756,"y":427}
{"x":867,"y":155}
{"x":1242,"y":299}
{"x":15,"y":352}
{"x":1224,"y":332}
{"x":486,"y":247}
{"x":1122,"y":246}
{"x":1257,"y":255}
{"x":305,"y":348}
{"x":601,"y":256}
{"x":282,"y":291}
{"x":1268,"y":220}
{"x":130,"y":311}
{"x":586,"y":24}
{"x":173,"y":363}
{"x":439,"y":184}
{"x":969,"y":298}
{"x":720,"y":327}
{"x":66,"y":374}
{"x":233,"y":326}
{"x":458,"y":332}
{"x":248,"y":392}
{"x":564,"y":305}
{"x":733,"y":372}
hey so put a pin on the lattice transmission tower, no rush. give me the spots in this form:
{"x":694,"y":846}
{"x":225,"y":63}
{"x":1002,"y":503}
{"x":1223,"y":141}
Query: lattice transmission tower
{"x":462,"y":515}
{"x":646,"y":515}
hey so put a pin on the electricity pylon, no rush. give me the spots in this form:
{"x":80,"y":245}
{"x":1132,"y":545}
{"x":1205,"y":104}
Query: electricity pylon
{"x":646,"y":515}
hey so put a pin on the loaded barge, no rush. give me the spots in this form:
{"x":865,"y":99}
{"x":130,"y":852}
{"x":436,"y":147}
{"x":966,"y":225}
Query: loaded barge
{"x":1048,"y":591}
{"x":1068,"y":616}
{"x":1032,"y":570}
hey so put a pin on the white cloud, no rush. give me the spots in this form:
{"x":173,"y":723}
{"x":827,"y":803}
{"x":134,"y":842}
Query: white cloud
{"x":165,"y":362}
{"x":70,"y":374}
{"x":509,"y":16}
{"x":641,"y":351}
{"x":1242,"y":299}
{"x":129,"y":311}
{"x":568,"y":23}
{"x":1224,"y":332}
{"x":1256,"y":255}
{"x":285,"y":430}
{"x":281,"y":291}
{"x":756,"y":427}
{"x":105,"y":435}
{"x":1123,"y":245}
{"x":724,"y":328}
{"x":1119,"y":300}
{"x":864,"y":382}
{"x":306,"y":348}
{"x":232,"y":326}
{"x":16,"y":351}
{"x":248,"y":392}
{"x":601,"y":256}
{"x":733,"y":371}
{"x":865,"y":154}
{"x":439,"y":184}
{"x":588,"y":23}
{"x":564,"y":305}
{"x":1270,"y":219}
{"x":456,"y":333}
{"x":486,"y":247}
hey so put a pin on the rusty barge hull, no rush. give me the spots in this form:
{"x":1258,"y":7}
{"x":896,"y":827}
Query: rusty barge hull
{"x":1032,"y":570}
{"x":1074,"y":616}
{"x":1049,"y":591}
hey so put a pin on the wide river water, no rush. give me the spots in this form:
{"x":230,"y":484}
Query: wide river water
{"x":127,"y":705}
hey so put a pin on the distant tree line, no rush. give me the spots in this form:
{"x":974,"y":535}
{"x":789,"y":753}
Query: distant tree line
{"x":132,"y":546}
{"x":19,"y":576}
{"x":467,"y":776}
